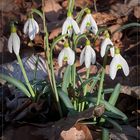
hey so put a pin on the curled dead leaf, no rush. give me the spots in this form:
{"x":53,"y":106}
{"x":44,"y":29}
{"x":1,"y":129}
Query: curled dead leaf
{"x":77,"y":132}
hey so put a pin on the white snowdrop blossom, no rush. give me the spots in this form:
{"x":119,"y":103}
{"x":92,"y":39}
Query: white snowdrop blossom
{"x":14,"y":41}
{"x":88,"y":55}
{"x":31,"y":28}
{"x":104,"y":45}
{"x":118,"y":62}
{"x":66,"y":54}
{"x":88,"y":23}
{"x":69,"y":25}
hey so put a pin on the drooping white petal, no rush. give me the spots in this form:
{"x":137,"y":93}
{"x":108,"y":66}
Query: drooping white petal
{"x":10,"y":43}
{"x":93,"y":56}
{"x":26,"y":27}
{"x":82,"y":56}
{"x":87,"y":57}
{"x":75,"y":26}
{"x":70,"y":55}
{"x":112,"y":51}
{"x":93,"y":24}
{"x":16,"y":43}
{"x":32,"y":30}
{"x":60,"y":57}
{"x":104,"y":44}
{"x":84,"y":24}
{"x":124,"y":65}
{"x":113,"y":66}
{"x":36,"y":26}
{"x":65,"y":27}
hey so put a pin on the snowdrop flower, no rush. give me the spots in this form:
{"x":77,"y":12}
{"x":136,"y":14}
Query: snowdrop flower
{"x":88,"y":23}
{"x":104,"y":45}
{"x":14,"y":41}
{"x":31,"y":27}
{"x":88,"y":55}
{"x":70,"y":25}
{"x":118,"y":62}
{"x":66,"y":54}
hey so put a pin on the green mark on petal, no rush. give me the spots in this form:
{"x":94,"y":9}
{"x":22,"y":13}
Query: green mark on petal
{"x":119,"y":67}
{"x":65,"y":58}
{"x":88,"y":24}
{"x":69,"y":27}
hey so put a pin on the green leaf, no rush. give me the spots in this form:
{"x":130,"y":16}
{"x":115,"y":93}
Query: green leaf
{"x":108,"y":107}
{"x":114,"y":96}
{"x":89,"y":80}
{"x":135,"y":24}
{"x":112,"y":115}
{"x":80,"y":15}
{"x":16,"y":83}
{"x":56,"y":40}
{"x":114,"y":123}
{"x":77,"y":38}
{"x":37,"y":12}
{"x":93,"y":84}
{"x":108,"y":90}
{"x":66,"y":79}
{"x":66,"y":100}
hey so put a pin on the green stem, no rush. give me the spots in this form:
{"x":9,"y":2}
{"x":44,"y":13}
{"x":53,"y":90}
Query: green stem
{"x":105,"y":134}
{"x":71,"y":6}
{"x":46,"y":45}
{"x":25,"y":76}
{"x":85,"y":88}
{"x":95,"y":7}
{"x":102,"y":77}
{"x":54,"y":85}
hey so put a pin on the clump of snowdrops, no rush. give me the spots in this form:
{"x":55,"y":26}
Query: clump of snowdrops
{"x":87,"y":92}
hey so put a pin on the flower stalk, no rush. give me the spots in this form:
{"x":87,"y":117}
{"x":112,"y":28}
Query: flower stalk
{"x":25,"y":76}
{"x":102,"y":76}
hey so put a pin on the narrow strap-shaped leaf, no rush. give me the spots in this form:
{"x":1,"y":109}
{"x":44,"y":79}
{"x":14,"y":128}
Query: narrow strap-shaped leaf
{"x":80,"y":15}
{"x":93,"y":84}
{"x":64,"y":97}
{"x":89,"y":80}
{"x":112,"y":115}
{"x":37,"y":12}
{"x":114,"y":96}
{"x":108,"y":107}
{"x":114,"y":123}
{"x":16,"y":83}
{"x":66,"y":79}
{"x":108,"y":90}
{"x":135,"y":24}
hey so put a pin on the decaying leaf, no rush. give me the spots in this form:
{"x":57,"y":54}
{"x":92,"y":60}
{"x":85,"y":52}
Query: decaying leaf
{"x":137,"y":12}
{"x":52,"y":10}
{"x":104,"y":18}
{"x":55,"y":33}
{"x":79,"y":3}
{"x":77,"y":132}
